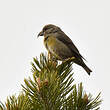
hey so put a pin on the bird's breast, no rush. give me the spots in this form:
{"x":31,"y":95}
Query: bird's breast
{"x":57,"y":48}
{"x":49,"y":42}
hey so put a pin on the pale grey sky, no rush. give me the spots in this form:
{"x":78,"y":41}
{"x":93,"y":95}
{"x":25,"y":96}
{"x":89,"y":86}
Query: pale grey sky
{"x":86,"y":22}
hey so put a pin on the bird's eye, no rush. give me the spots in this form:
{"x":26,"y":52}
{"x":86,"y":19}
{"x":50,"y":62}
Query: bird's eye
{"x":45,"y":29}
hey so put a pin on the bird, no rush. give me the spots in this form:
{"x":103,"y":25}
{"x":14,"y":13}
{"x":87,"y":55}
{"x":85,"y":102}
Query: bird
{"x":61,"y":46}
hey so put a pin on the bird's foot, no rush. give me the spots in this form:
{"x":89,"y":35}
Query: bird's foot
{"x":69,"y":59}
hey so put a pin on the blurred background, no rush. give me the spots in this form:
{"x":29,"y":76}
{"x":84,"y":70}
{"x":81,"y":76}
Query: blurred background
{"x":86,"y":22}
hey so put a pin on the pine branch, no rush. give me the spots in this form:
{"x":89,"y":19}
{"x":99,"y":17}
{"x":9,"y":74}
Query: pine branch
{"x":22,"y":102}
{"x":81,"y":101}
{"x":51,"y":88}
{"x":51,"y":83}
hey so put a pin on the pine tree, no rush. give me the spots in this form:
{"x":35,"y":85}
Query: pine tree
{"x":52,"y":88}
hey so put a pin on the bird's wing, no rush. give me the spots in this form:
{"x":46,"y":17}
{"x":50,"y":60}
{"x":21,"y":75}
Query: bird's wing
{"x":66,"y":40}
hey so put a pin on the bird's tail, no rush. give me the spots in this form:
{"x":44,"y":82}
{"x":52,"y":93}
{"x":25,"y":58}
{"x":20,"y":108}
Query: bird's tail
{"x":82,"y":64}
{"x":87,"y":69}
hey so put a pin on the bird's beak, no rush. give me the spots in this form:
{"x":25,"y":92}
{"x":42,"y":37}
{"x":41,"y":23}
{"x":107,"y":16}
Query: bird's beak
{"x":40,"y":34}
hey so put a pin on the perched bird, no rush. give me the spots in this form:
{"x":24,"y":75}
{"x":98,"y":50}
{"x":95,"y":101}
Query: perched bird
{"x":61,"y":46}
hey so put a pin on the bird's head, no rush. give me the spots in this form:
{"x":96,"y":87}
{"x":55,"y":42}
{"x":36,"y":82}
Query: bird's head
{"x":48,"y":29}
